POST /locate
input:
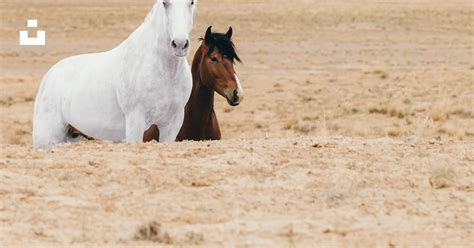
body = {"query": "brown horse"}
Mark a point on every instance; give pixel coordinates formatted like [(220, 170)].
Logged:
[(213, 71)]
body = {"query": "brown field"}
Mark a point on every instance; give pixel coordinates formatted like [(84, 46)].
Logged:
[(357, 130)]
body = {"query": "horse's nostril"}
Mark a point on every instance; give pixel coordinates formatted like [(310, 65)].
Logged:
[(236, 94), (186, 44), (173, 44)]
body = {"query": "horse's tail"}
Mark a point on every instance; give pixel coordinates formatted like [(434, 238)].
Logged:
[(40, 93), (48, 126)]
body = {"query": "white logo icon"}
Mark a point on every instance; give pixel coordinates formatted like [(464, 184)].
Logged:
[(39, 40)]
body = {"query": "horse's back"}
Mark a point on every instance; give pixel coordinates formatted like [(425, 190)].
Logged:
[(60, 78)]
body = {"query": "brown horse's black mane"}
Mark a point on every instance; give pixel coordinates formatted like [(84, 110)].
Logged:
[(223, 43)]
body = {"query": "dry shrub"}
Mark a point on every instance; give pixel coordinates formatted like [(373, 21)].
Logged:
[(448, 131), (442, 177), (462, 113), (304, 128), (335, 197), (289, 232), (381, 73), (290, 123), (440, 114), (397, 133), (390, 110), (444, 109), (378, 72), (153, 232), (310, 118), (194, 238)]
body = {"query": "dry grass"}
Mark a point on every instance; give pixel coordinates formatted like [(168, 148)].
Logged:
[(153, 232), (397, 111), (377, 71), (442, 177)]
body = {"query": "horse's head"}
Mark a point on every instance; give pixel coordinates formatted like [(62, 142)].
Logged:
[(216, 66), (179, 21)]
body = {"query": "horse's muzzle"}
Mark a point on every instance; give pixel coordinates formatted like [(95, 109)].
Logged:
[(235, 98), (180, 47)]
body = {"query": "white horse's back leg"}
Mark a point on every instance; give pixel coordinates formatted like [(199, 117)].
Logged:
[(48, 130)]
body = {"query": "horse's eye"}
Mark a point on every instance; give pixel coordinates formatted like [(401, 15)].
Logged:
[(214, 59), (192, 2)]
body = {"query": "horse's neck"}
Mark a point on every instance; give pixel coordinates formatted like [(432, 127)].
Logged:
[(151, 37), (200, 107)]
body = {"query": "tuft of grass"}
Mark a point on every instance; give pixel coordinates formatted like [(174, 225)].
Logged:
[(194, 238), (290, 123), (335, 197), (289, 232), (440, 114), (450, 130), (310, 118), (154, 233), (462, 113), (392, 111), (304, 128), (396, 133), (442, 177), (380, 72), (308, 99)]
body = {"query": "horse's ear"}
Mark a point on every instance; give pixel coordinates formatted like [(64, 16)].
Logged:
[(207, 37), (229, 33)]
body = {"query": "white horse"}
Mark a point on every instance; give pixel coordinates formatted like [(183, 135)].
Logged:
[(117, 95)]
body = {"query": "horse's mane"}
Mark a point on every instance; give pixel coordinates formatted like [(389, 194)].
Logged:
[(151, 13), (223, 43)]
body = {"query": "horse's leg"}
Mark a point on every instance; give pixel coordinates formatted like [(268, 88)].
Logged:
[(170, 131), (135, 127)]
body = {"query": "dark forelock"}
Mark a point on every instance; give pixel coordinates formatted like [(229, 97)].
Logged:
[(224, 44)]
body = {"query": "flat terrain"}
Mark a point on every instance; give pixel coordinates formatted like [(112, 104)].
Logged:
[(357, 130)]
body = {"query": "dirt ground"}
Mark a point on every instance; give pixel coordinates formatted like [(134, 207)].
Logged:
[(357, 130)]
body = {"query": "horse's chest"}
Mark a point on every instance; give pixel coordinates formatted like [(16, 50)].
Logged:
[(163, 109), (158, 97), (165, 103)]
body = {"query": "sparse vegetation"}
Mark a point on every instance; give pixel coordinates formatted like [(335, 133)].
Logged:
[(390, 110), (290, 123), (442, 177), (380, 72), (153, 232), (194, 238)]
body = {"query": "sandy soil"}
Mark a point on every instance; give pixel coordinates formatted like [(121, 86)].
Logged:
[(357, 131)]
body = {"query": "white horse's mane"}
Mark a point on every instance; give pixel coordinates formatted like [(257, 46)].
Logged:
[(151, 12)]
